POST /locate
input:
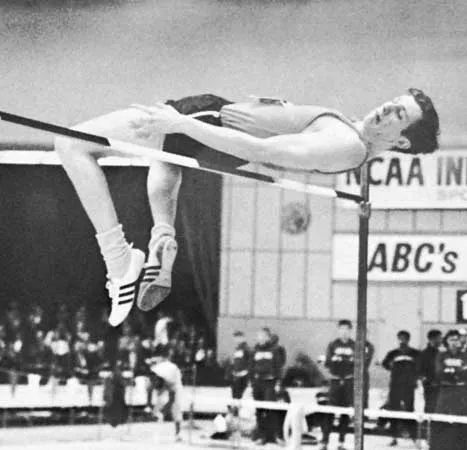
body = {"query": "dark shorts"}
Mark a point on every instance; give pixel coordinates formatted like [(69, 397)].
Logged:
[(185, 146), (341, 392)]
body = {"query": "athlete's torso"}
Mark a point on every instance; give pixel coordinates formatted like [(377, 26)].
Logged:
[(267, 118)]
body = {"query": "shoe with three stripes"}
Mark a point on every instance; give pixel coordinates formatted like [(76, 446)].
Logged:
[(122, 291), (156, 281)]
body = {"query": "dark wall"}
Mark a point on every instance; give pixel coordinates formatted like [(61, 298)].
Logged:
[(48, 250)]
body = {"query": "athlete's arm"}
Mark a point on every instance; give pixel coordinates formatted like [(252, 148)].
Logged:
[(335, 147)]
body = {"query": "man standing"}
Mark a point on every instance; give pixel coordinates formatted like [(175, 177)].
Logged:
[(451, 371), (265, 370), (402, 363), (240, 365), (340, 362), (427, 369)]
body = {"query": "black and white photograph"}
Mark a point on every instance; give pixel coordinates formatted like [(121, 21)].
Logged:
[(233, 224)]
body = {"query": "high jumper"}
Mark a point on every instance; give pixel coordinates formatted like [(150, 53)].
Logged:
[(216, 133)]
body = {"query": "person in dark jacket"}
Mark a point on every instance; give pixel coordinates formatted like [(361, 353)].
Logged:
[(340, 356), (115, 407), (241, 361), (427, 369), (451, 373), (402, 362), (265, 374)]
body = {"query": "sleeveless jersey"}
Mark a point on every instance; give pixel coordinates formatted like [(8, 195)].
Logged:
[(265, 118)]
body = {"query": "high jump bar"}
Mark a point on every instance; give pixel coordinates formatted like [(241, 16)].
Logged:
[(127, 148)]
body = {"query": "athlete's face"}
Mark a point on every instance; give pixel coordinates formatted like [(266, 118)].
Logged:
[(385, 124), (453, 343), (262, 337), (344, 332)]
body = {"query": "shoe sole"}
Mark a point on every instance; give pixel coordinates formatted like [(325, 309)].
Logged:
[(152, 294)]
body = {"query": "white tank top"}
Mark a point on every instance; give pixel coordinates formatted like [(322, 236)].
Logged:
[(265, 118)]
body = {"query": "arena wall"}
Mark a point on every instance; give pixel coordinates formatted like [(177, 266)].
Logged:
[(68, 61)]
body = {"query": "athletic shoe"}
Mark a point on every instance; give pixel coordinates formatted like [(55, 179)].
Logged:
[(156, 281), (178, 438), (122, 291), (341, 447), (393, 443), (260, 442)]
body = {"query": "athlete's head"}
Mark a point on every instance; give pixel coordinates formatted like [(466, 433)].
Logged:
[(407, 124), (403, 337), (435, 337), (263, 336), (344, 329), (452, 340)]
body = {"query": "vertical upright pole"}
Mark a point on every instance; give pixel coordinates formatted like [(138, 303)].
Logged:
[(360, 344)]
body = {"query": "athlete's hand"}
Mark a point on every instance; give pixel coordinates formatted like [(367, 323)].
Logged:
[(157, 119)]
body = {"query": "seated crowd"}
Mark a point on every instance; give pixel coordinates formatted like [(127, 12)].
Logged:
[(68, 345)]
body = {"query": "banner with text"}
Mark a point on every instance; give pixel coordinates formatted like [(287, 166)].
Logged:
[(403, 258), (398, 181)]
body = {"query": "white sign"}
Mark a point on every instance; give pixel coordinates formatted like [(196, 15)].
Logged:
[(403, 258), (398, 181)]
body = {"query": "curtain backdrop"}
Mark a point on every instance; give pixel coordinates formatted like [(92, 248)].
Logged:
[(49, 254)]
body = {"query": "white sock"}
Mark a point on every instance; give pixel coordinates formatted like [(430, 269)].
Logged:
[(115, 250), (158, 230)]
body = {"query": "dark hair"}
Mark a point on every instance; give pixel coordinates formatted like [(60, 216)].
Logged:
[(239, 334), (403, 333), (266, 330), (422, 134), (344, 323), (433, 334)]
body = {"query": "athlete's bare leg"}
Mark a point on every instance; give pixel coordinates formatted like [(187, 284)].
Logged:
[(79, 159), (163, 186)]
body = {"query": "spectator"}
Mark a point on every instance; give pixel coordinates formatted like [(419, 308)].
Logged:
[(128, 349), (402, 362), (180, 325), (182, 356), (95, 359), (280, 350), (192, 336), (427, 369), (60, 340), (369, 353), (34, 323), (241, 361), (40, 357), (340, 356), (14, 327), (80, 331), (3, 336), (266, 366), (199, 352), (80, 361), (303, 373), (451, 372), (161, 329), (12, 320), (463, 339), (5, 363)]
